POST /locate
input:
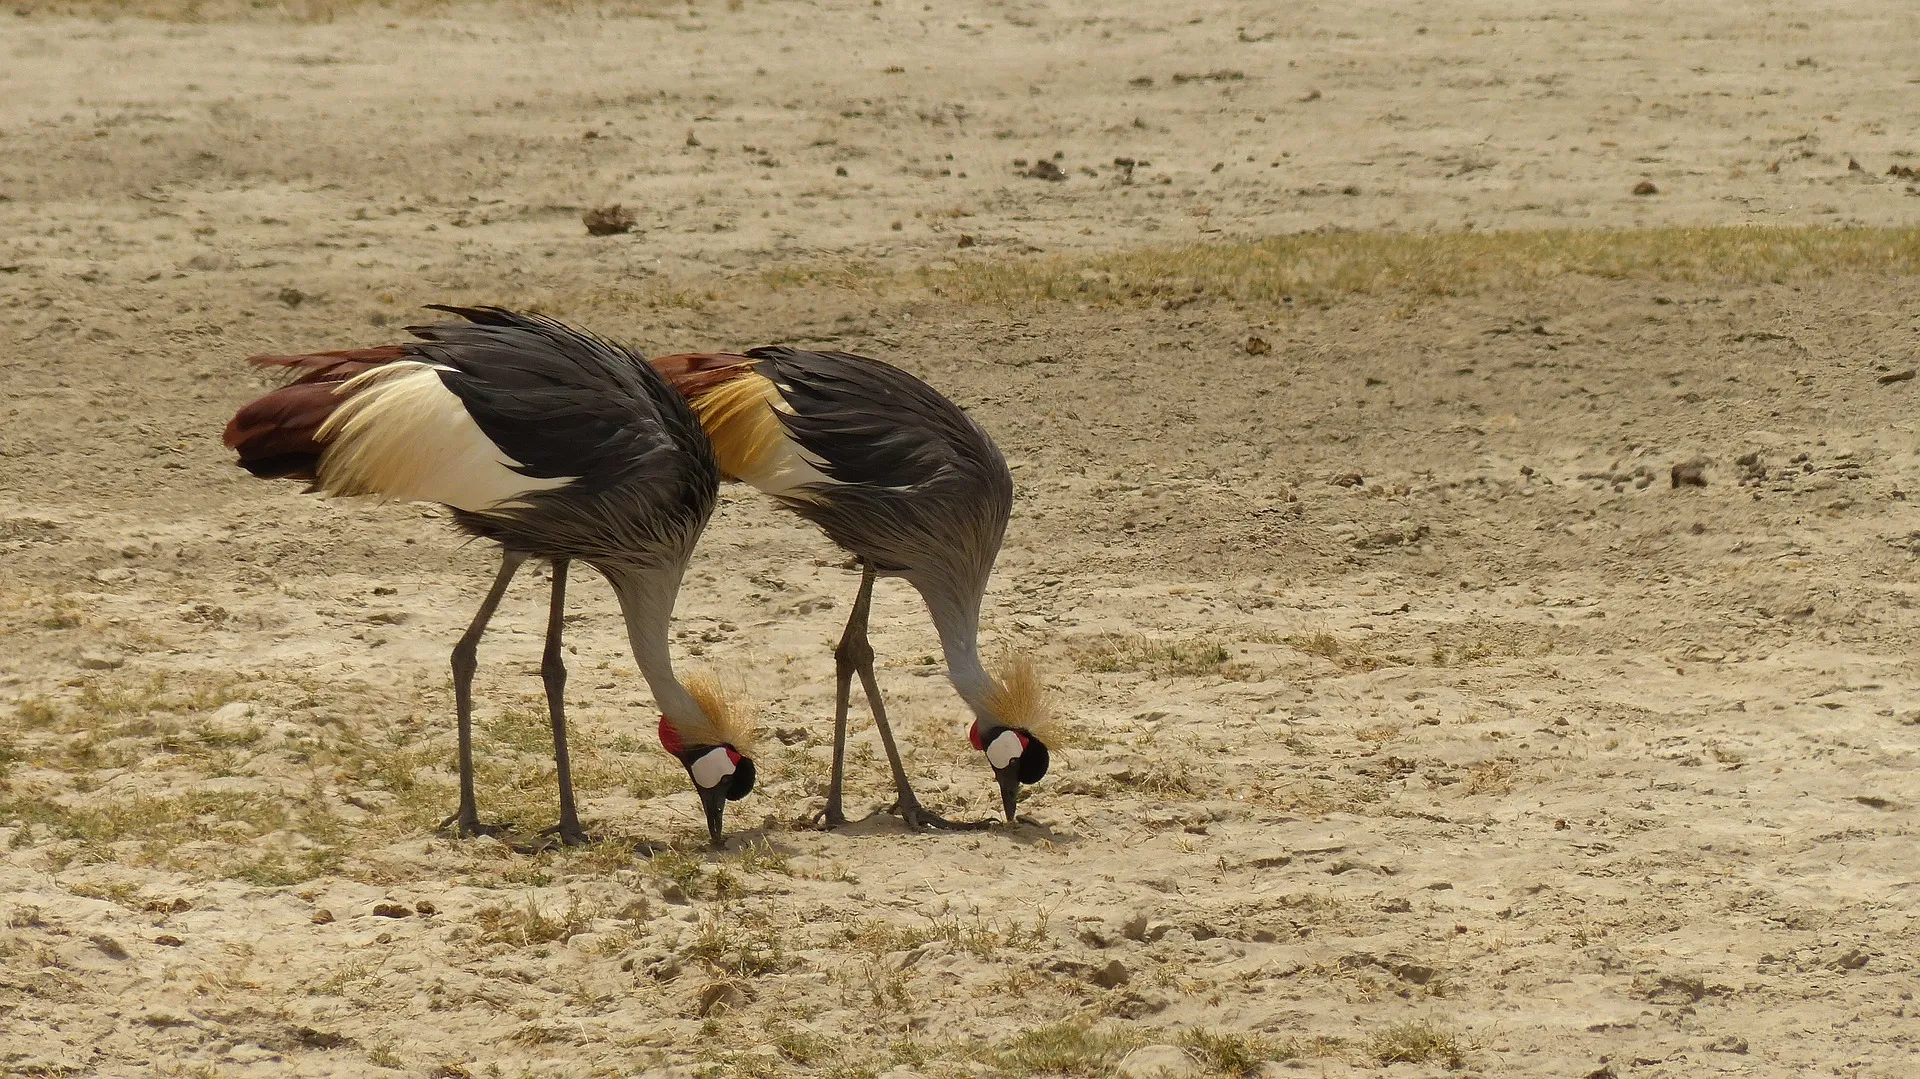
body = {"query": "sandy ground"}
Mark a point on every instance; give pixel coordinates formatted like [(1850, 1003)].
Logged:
[(1509, 759)]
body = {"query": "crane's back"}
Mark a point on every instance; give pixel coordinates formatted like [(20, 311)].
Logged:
[(552, 441), (889, 468)]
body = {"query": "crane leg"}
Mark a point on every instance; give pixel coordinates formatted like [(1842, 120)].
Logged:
[(859, 653), (845, 664), (466, 659), (553, 672)]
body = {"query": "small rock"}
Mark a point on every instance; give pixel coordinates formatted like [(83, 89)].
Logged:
[(108, 946), (839, 170), (1348, 479), (1396, 906), (1094, 936), (1045, 169), (1897, 376), (609, 220), (1256, 346), (321, 1039), (1732, 1043), (322, 916), (425, 906), (1645, 187), (673, 893), (1689, 473), (292, 297), (1157, 1062), (114, 575), (391, 910), (965, 240), (1110, 976), (791, 736), (168, 940), (99, 661)]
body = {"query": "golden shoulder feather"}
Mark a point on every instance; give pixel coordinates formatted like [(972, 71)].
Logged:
[(738, 418)]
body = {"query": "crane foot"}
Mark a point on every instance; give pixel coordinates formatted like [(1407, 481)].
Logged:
[(918, 816), (569, 833), (560, 835), (828, 818), (467, 824)]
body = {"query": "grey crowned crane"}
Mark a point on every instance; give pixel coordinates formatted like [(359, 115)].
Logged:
[(553, 443), (906, 482)]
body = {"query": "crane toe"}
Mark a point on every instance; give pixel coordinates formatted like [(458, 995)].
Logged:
[(465, 825)]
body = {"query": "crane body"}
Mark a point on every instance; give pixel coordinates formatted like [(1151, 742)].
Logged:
[(907, 482), (555, 444)]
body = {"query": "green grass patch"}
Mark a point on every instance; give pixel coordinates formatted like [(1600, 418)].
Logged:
[(1320, 266)]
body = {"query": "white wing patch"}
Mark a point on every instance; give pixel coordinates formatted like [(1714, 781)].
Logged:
[(788, 466), (404, 437)]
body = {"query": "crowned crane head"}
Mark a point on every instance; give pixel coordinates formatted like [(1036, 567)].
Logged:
[(1016, 729), (717, 754)]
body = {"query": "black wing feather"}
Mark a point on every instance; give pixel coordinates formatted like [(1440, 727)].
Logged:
[(870, 422), (560, 401)]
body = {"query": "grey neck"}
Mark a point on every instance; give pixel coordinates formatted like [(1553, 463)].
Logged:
[(958, 624), (646, 599)]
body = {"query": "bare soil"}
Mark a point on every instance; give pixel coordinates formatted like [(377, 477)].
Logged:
[(1426, 726)]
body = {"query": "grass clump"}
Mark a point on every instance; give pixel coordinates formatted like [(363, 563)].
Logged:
[(527, 925), (1320, 266), (1415, 1042), (980, 936), (739, 948), (1068, 1048), (1187, 657), (1346, 655), (1227, 1053)]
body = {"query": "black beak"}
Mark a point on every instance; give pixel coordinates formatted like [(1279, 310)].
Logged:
[(714, 801), (1009, 778)]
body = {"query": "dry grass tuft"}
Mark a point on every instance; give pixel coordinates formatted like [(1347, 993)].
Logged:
[(1319, 266), (1184, 657), (1415, 1042), (1492, 777), (1346, 655), (527, 924)]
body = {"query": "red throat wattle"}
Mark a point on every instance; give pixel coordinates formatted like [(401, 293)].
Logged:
[(973, 736), (670, 738)]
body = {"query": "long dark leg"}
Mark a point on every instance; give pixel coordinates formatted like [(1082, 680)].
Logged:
[(466, 659), (553, 671), (861, 654), (844, 664)]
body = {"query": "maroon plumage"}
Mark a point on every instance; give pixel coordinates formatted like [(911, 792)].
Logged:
[(274, 434)]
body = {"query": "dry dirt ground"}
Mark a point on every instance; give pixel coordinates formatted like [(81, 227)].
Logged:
[(1425, 727)]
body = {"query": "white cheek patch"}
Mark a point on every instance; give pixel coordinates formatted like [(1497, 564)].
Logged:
[(713, 767), (1004, 749)]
